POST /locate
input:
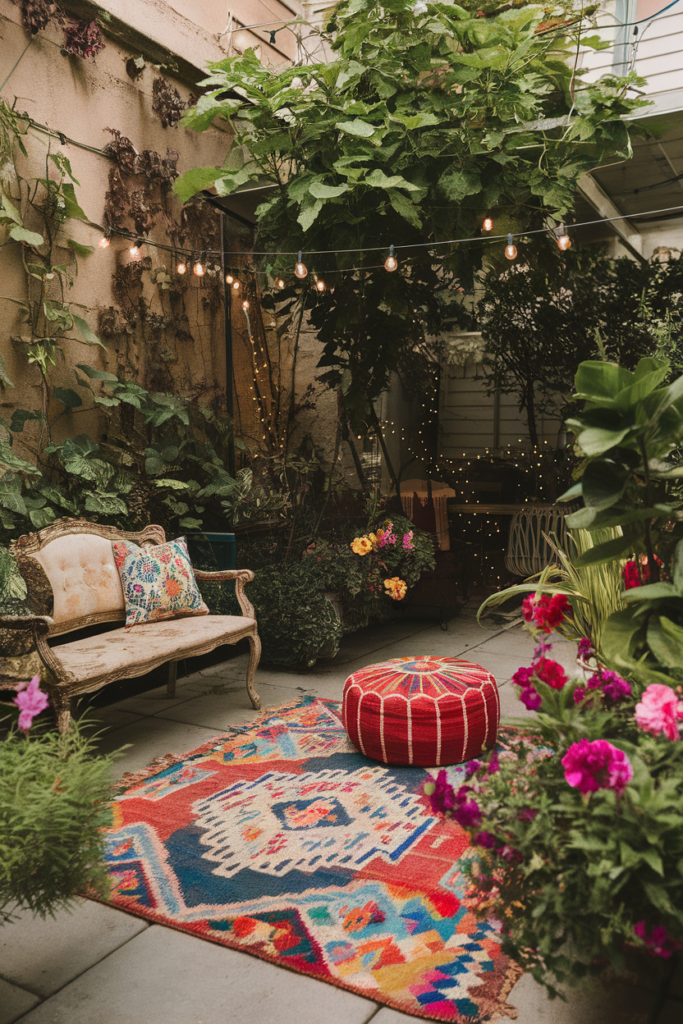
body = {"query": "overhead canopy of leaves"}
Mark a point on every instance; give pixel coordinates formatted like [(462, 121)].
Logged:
[(420, 126)]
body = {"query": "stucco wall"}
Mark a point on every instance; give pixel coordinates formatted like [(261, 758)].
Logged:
[(80, 98)]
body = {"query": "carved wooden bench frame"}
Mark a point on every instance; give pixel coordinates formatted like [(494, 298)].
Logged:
[(63, 686)]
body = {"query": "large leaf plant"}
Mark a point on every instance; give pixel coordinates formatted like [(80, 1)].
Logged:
[(424, 122)]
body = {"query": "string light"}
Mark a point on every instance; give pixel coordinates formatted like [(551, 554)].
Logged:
[(510, 248), (245, 305), (181, 268), (198, 268), (563, 240), (391, 263), (104, 242), (280, 283), (487, 225), (229, 278), (236, 286), (320, 284), (301, 270), (135, 249)]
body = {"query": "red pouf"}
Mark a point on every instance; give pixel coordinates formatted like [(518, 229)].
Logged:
[(424, 711)]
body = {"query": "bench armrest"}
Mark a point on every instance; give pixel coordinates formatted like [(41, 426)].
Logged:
[(37, 623), (240, 576)]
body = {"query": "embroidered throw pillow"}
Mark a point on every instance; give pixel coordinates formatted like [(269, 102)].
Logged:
[(158, 582)]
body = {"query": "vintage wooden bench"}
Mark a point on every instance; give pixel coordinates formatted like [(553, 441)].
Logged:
[(73, 582)]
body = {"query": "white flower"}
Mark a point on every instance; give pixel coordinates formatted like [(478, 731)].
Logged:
[(420, 7)]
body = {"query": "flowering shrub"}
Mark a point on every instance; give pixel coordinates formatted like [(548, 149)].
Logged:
[(54, 801), (578, 835), (380, 544)]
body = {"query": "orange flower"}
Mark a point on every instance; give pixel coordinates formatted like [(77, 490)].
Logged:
[(172, 587), (361, 546), (395, 588)]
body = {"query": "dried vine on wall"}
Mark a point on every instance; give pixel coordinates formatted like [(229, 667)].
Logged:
[(82, 39)]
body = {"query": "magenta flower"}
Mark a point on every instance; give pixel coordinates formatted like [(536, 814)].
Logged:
[(531, 698), (585, 649), (407, 541), (442, 798), (511, 855), (522, 677), (494, 764), (614, 687), (590, 765), (659, 711), (466, 812), (579, 694), (657, 939), (471, 767), (527, 814), (30, 700), (485, 839)]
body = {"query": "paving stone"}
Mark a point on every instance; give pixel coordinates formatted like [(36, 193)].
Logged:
[(150, 738), (387, 1016), (510, 704), (152, 701), (107, 719), (218, 711), (43, 956), (14, 1002), (616, 1004), (165, 977)]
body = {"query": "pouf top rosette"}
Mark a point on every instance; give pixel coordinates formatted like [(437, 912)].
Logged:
[(424, 711)]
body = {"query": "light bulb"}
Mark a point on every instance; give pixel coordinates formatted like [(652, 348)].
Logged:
[(563, 240), (280, 283), (181, 268), (510, 249), (245, 304), (301, 270), (198, 270), (134, 251), (104, 242), (320, 285), (236, 285), (229, 278), (391, 263), (487, 225)]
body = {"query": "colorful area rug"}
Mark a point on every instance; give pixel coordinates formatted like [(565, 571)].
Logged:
[(281, 840)]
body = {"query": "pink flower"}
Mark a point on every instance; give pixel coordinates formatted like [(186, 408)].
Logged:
[(466, 811), (551, 673), (511, 855), (531, 698), (658, 939), (631, 575), (659, 711), (579, 694), (407, 541), (30, 700), (522, 676), (590, 765), (485, 839)]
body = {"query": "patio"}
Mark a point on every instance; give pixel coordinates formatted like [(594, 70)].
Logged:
[(99, 964)]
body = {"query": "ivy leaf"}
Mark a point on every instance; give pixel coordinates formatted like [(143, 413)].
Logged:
[(378, 179), (67, 397), (94, 374), (190, 524), (71, 207), (359, 128), (8, 211), (80, 249), (24, 235), (86, 332), (19, 418), (105, 504)]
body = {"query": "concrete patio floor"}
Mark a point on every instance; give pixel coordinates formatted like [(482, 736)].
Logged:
[(98, 965)]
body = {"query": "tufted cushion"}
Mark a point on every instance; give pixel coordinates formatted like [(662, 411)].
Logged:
[(425, 711), (82, 574)]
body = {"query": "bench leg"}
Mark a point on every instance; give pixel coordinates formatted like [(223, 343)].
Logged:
[(61, 704), (254, 658), (172, 676)]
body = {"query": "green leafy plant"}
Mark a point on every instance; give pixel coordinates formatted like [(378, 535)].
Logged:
[(422, 124), (54, 802)]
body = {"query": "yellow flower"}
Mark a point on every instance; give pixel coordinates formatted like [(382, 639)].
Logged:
[(395, 588), (373, 539), (361, 546)]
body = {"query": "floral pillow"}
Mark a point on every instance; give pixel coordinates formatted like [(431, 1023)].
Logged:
[(158, 582)]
